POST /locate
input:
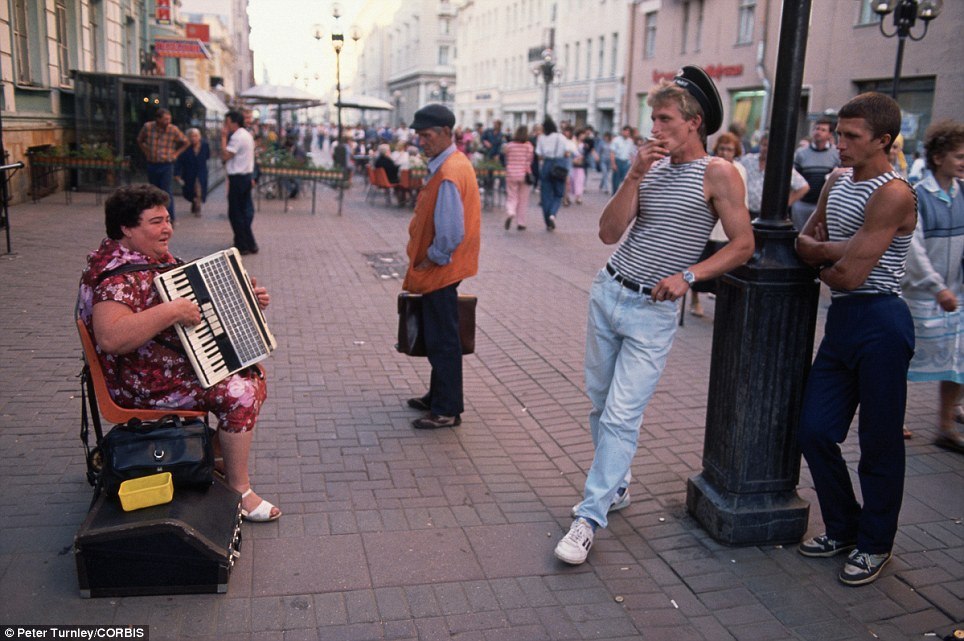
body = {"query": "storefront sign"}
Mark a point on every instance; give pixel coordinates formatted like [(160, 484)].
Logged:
[(713, 71), (162, 11), (178, 48), (198, 31)]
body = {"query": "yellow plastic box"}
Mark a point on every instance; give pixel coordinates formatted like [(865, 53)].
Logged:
[(146, 491)]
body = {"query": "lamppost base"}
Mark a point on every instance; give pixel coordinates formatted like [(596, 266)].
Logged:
[(747, 519), (762, 346)]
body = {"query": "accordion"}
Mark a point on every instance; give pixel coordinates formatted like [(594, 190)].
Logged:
[(233, 333)]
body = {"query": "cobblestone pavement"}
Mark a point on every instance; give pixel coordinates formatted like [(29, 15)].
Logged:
[(390, 533)]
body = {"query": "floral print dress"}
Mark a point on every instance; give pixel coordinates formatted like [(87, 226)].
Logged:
[(158, 375)]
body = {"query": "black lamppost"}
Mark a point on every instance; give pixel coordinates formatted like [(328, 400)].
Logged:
[(906, 14), (397, 100), (340, 154), (548, 71)]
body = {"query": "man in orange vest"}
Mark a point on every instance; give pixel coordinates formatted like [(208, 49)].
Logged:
[(443, 249)]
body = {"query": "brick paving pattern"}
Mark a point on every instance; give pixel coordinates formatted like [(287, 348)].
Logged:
[(391, 533)]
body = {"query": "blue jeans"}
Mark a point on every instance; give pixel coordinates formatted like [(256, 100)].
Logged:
[(161, 175), (862, 360), (628, 339), (619, 174), (550, 191)]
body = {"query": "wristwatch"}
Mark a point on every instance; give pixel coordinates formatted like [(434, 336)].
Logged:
[(689, 277)]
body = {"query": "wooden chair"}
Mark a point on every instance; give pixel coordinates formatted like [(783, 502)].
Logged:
[(111, 411)]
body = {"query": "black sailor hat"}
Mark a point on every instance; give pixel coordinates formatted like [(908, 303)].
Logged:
[(699, 85)]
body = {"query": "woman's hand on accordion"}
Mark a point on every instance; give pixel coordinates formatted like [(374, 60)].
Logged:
[(186, 312), (260, 293)]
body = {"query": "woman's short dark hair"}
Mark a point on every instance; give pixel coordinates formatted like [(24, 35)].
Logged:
[(521, 134), (125, 206), (549, 126), (941, 138)]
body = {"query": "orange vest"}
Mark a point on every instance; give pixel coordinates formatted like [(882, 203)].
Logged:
[(421, 231)]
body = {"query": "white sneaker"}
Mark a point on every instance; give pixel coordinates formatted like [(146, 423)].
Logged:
[(622, 501), (574, 546)]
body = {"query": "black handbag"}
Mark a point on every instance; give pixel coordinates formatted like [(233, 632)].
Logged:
[(411, 337), (169, 445), (530, 179), (558, 172)]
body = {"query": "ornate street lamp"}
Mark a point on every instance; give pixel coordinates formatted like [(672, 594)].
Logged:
[(340, 155), (441, 91), (906, 14), (547, 70)]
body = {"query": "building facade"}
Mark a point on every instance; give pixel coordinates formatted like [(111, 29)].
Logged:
[(736, 41), (584, 41), (48, 41), (421, 49)]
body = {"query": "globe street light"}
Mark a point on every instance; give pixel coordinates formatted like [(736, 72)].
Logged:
[(906, 13), (548, 70), (441, 91)]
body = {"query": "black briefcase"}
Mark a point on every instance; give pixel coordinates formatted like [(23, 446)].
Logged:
[(187, 546), (411, 339)]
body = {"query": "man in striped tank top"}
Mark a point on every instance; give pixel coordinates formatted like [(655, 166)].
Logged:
[(669, 201), (858, 239)]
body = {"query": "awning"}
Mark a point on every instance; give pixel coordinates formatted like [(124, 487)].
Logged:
[(181, 48), (212, 103)]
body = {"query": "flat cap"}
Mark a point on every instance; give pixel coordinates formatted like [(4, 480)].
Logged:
[(433, 116), (699, 85)]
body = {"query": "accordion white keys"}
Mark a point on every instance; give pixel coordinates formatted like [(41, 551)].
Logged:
[(233, 333)]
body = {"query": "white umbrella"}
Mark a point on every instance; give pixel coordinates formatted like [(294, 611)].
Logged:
[(279, 94), (365, 103)]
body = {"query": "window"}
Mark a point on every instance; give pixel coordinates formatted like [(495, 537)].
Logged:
[(615, 56), (446, 26), (589, 58), (601, 69), (575, 72), (21, 43), (443, 55), (698, 44), (649, 37), (746, 20), (684, 32), (867, 14), (63, 50)]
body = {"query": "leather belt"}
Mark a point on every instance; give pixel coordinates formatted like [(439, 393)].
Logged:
[(628, 284)]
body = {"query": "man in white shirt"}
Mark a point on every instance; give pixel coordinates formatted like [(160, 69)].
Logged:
[(237, 153), (621, 152)]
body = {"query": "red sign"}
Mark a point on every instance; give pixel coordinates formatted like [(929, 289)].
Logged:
[(177, 48), (198, 31), (713, 71), (162, 11)]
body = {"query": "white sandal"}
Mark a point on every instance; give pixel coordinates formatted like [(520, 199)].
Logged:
[(260, 514)]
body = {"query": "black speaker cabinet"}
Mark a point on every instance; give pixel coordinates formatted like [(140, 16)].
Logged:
[(187, 546)]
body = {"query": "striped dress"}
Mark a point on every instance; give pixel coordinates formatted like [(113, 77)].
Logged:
[(846, 204), (673, 224)]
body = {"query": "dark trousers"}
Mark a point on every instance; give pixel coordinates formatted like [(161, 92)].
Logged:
[(241, 211), (440, 322), (161, 175), (551, 191), (863, 360)]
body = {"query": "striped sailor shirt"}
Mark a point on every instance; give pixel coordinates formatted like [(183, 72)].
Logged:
[(673, 224), (846, 205)]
